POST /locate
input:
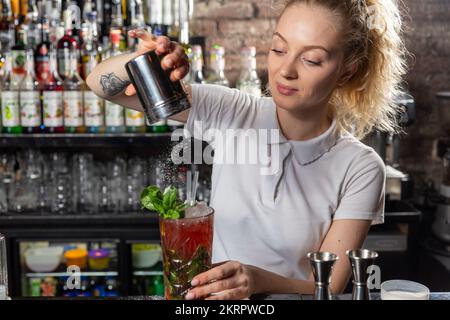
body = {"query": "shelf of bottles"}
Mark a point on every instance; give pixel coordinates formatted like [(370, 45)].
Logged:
[(49, 47)]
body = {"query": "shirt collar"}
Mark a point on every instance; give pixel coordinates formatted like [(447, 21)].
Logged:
[(308, 151)]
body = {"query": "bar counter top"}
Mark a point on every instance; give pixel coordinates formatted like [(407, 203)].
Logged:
[(298, 297)]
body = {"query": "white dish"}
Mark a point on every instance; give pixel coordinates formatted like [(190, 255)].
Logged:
[(404, 290), (146, 258), (43, 259)]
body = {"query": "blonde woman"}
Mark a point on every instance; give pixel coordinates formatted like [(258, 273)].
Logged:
[(334, 67)]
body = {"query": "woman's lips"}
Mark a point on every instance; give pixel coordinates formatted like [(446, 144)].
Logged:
[(285, 90)]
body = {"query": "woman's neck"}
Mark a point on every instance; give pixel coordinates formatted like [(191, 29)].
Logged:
[(303, 125)]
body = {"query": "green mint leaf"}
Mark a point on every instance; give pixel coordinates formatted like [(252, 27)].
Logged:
[(174, 214), (169, 195), (166, 203), (146, 200), (159, 206), (155, 193), (173, 195)]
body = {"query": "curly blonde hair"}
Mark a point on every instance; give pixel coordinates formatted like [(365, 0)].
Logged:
[(373, 34)]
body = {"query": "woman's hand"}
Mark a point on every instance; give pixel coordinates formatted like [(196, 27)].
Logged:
[(230, 280), (175, 59)]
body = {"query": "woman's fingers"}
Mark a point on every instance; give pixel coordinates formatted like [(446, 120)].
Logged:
[(175, 58), (220, 272), (164, 45), (130, 90), (149, 41), (215, 287), (179, 73)]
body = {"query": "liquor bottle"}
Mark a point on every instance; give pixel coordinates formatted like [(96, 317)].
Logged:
[(135, 121), (88, 7), (42, 54), (56, 29), (136, 15), (66, 46), (52, 99), (30, 99), (158, 285), (23, 7), (85, 290), (32, 24), (90, 56), (19, 53), (114, 113), (117, 22), (75, 18), (157, 18), (6, 26), (217, 75), (93, 111), (15, 7), (111, 287), (174, 28), (105, 23), (167, 19), (184, 17), (73, 98), (2, 63), (6, 33), (95, 31), (99, 7), (196, 74), (97, 287), (248, 80), (10, 100)]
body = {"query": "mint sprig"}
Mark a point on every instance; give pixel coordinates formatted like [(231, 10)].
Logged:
[(165, 203)]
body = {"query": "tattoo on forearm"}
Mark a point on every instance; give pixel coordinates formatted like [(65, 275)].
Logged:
[(112, 84)]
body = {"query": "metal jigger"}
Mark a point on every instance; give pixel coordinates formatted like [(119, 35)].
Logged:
[(322, 266), (360, 261)]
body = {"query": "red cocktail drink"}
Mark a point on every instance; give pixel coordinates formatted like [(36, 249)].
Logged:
[(186, 245)]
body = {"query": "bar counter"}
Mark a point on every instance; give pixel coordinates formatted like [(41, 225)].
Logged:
[(295, 297)]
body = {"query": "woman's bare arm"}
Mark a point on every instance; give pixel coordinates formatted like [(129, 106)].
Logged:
[(110, 80), (234, 280), (343, 235)]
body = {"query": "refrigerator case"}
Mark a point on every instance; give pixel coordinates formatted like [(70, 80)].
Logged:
[(65, 268)]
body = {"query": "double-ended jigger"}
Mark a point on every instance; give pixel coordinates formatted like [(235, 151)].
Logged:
[(361, 260), (322, 266), (160, 97)]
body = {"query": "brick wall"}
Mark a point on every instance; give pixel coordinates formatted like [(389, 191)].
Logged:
[(428, 38), (235, 23)]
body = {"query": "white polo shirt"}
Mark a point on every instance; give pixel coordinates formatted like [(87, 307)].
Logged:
[(272, 221)]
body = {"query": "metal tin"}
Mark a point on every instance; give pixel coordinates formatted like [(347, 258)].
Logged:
[(160, 97)]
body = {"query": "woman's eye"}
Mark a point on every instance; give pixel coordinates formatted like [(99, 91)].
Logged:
[(278, 52), (312, 62)]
